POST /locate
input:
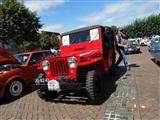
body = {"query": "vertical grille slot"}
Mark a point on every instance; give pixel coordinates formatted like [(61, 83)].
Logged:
[(66, 64), (59, 67), (62, 63)]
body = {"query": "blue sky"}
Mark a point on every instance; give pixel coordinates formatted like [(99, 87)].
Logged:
[(65, 15)]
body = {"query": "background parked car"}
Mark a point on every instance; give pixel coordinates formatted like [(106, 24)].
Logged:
[(133, 46), (154, 48), (145, 42), (19, 72)]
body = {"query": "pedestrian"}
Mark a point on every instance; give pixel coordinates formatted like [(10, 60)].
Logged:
[(121, 44)]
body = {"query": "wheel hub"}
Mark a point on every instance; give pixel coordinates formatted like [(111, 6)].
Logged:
[(16, 88)]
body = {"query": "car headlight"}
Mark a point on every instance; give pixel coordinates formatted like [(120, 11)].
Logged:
[(45, 65), (72, 62), (2, 71)]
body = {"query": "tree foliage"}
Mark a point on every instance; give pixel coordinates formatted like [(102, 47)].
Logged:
[(29, 46), (18, 24), (144, 27), (48, 41), (45, 41), (115, 29), (55, 42)]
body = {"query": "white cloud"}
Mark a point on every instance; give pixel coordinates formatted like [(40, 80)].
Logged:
[(122, 13), (107, 10), (52, 27), (79, 26), (40, 5), (139, 11)]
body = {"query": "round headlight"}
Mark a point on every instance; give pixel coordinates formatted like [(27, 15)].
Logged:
[(45, 65), (72, 62)]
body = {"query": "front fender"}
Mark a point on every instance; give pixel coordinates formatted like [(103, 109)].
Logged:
[(90, 61)]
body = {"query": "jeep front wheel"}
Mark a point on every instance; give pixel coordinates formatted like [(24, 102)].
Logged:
[(46, 95), (94, 86)]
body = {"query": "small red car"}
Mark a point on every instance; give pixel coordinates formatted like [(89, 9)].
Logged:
[(19, 71)]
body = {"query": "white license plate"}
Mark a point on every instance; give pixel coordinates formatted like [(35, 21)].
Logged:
[(41, 81)]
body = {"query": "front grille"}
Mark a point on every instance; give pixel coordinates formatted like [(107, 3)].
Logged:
[(59, 67)]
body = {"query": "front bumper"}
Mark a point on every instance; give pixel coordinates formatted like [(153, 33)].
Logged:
[(64, 84)]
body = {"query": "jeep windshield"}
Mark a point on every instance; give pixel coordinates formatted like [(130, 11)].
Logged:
[(80, 37), (22, 58)]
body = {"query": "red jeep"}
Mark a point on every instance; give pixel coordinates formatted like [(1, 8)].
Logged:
[(86, 54)]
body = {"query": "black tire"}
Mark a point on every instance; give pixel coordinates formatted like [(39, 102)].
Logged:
[(94, 86), (14, 89), (46, 95), (112, 69)]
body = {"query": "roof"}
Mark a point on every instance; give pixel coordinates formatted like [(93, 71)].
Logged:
[(34, 52), (51, 33), (81, 29)]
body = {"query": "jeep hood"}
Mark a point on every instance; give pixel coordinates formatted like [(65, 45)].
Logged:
[(6, 57), (84, 54)]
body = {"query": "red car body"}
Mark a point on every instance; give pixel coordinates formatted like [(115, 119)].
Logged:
[(12, 70)]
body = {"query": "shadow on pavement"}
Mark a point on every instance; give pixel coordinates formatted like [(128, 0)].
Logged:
[(80, 97), (110, 83), (28, 90), (154, 61), (140, 52), (134, 65)]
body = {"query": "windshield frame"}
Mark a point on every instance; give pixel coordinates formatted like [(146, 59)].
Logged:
[(78, 37), (17, 56)]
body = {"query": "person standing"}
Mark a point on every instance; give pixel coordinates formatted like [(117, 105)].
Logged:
[(121, 44)]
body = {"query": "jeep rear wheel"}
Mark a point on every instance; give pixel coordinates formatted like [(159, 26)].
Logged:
[(94, 86), (112, 69), (46, 95)]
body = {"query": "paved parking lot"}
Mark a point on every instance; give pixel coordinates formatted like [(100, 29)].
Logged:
[(127, 95), (147, 82)]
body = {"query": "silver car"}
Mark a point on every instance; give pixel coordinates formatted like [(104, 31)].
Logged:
[(133, 46), (154, 48)]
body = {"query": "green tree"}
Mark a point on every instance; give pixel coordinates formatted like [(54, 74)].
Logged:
[(144, 27), (29, 46), (45, 41), (48, 41), (17, 23), (55, 42), (115, 29), (153, 24)]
